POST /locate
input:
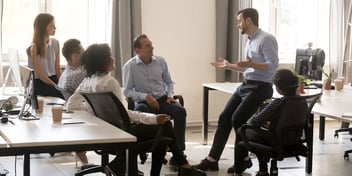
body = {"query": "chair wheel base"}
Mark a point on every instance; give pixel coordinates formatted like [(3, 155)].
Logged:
[(345, 156)]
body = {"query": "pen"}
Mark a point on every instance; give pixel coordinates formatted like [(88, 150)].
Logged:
[(69, 123)]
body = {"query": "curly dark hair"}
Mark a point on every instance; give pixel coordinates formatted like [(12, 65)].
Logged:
[(286, 81), (96, 59)]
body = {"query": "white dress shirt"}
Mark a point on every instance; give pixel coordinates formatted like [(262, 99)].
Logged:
[(100, 83)]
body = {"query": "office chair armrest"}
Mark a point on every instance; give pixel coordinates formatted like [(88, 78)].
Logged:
[(130, 103), (246, 127), (179, 98), (267, 136)]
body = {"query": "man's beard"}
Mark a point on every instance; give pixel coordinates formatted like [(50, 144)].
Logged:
[(243, 31)]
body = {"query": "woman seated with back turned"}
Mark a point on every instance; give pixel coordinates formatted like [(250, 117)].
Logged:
[(98, 62), (286, 84)]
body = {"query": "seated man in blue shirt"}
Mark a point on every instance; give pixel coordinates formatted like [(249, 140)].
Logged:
[(147, 80)]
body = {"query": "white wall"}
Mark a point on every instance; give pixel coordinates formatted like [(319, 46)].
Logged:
[(183, 32)]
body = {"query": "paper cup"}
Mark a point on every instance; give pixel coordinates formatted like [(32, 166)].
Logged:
[(338, 84), (56, 112), (40, 105)]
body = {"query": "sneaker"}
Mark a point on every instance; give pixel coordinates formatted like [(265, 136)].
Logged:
[(207, 165), (190, 172), (239, 169)]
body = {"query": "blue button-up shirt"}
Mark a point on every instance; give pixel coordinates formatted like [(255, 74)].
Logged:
[(140, 79), (262, 47)]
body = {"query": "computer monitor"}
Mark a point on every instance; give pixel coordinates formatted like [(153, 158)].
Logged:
[(30, 94)]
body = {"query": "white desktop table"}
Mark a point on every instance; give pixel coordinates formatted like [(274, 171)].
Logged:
[(44, 136), (3, 143), (333, 104)]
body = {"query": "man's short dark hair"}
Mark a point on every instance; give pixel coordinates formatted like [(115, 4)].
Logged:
[(250, 13), (70, 47), (137, 41)]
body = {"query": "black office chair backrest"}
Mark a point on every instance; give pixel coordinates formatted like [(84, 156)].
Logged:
[(291, 119), (109, 108)]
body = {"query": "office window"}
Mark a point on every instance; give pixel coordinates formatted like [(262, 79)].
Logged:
[(86, 20), (295, 24)]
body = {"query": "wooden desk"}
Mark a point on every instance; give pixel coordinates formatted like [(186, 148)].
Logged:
[(44, 136)]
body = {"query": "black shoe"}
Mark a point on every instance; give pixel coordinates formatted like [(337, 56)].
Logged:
[(173, 162), (190, 172), (207, 165), (231, 169), (245, 165)]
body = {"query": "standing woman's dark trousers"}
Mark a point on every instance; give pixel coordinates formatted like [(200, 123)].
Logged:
[(239, 108), (47, 90)]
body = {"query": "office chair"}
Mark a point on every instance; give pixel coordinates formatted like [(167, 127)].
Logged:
[(131, 105), (108, 107), (287, 134), (344, 128), (309, 61)]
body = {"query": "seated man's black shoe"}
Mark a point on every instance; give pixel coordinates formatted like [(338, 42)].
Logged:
[(231, 169), (173, 162), (241, 168), (207, 165), (190, 172)]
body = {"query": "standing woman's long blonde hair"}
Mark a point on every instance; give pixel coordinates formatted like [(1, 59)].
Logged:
[(40, 25)]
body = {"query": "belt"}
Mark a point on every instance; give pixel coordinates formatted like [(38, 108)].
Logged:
[(256, 82)]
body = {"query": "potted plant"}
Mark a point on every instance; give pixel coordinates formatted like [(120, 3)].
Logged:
[(302, 81), (328, 80)]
